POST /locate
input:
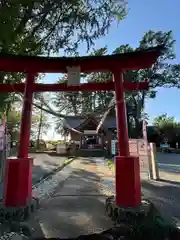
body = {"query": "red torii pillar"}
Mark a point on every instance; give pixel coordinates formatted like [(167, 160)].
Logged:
[(19, 170), (128, 184)]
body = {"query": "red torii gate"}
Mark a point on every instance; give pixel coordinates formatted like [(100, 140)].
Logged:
[(18, 180)]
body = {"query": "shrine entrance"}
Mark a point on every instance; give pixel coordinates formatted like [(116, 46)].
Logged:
[(91, 141), (18, 190)]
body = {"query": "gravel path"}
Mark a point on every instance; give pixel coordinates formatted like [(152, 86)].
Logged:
[(77, 206), (44, 164)]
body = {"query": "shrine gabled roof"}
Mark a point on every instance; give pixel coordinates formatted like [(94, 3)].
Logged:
[(138, 59), (73, 122), (110, 122)]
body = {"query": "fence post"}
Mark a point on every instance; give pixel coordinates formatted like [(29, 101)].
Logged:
[(154, 171)]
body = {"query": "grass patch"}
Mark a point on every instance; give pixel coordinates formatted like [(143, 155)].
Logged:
[(110, 163)]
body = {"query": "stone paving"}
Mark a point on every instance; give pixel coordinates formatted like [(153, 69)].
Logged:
[(77, 205)]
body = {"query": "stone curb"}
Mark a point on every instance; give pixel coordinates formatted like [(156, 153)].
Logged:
[(50, 174)]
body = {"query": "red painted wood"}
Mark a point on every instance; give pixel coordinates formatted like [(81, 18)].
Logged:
[(133, 60), (18, 182), (128, 184), (121, 120), (128, 187), (26, 117), (19, 172)]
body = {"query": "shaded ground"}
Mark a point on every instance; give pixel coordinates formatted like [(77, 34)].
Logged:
[(77, 206), (166, 195), (45, 164)]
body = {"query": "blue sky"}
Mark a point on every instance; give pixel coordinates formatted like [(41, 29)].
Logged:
[(144, 15)]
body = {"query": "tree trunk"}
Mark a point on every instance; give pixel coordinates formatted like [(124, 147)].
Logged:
[(138, 127), (39, 128), (8, 108)]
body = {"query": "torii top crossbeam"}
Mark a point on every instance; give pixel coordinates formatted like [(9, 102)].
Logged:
[(133, 60)]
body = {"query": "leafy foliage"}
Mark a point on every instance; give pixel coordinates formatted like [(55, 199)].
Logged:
[(169, 128), (162, 74), (42, 124), (51, 25), (32, 27), (13, 123)]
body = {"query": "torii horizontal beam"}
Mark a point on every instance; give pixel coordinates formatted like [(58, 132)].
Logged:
[(139, 59), (63, 87)]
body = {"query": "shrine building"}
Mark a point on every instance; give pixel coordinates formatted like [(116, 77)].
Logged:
[(82, 131)]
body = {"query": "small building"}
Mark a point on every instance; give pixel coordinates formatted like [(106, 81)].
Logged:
[(82, 131)]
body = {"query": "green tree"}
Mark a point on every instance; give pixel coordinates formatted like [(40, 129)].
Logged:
[(48, 26), (42, 119), (13, 123), (32, 27), (162, 74), (169, 128), (164, 120)]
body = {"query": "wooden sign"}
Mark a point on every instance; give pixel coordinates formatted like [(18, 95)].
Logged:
[(2, 137), (113, 147), (74, 76), (145, 123), (90, 132)]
